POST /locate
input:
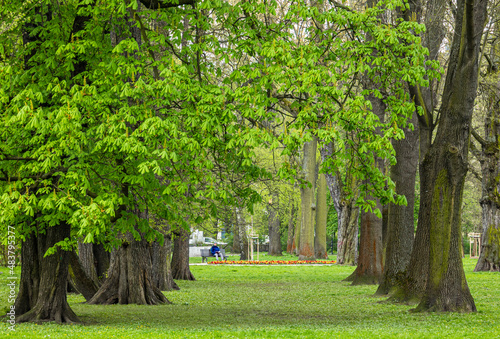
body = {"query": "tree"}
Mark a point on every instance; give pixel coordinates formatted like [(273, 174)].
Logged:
[(321, 219), (88, 133), (180, 257), (117, 111), (412, 285), (344, 195), (308, 202), (445, 165), (400, 223), (274, 222)]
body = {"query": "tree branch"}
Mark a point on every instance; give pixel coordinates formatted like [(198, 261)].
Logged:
[(478, 138), (156, 4), (19, 158)]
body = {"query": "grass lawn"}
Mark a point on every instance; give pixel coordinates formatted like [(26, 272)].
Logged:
[(273, 302)]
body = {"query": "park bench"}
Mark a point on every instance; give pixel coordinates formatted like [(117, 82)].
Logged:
[(205, 253)]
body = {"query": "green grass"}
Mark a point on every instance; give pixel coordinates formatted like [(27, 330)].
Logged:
[(274, 302)]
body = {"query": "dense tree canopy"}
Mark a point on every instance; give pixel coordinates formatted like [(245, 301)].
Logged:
[(116, 110)]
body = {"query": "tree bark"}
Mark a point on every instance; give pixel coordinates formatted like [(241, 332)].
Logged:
[(370, 262), (321, 219), (161, 259), (129, 277), (400, 219), (291, 228), (274, 227), (242, 236), (180, 258), (30, 276), (308, 201), (50, 276), (236, 234), (413, 285), (296, 238), (347, 212), (370, 266), (445, 166), (489, 259), (79, 278)]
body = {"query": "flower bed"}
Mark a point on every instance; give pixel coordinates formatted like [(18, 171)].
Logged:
[(271, 262)]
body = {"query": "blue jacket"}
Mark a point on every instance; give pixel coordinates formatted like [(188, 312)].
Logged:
[(214, 249)]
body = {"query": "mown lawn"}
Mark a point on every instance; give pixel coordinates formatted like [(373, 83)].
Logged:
[(273, 302)]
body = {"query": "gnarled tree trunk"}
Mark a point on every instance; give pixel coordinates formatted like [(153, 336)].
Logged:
[(129, 277), (42, 293), (445, 166), (370, 265)]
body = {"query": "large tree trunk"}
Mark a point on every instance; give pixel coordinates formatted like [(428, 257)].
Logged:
[(347, 212), (321, 219), (347, 234), (274, 227), (89, 261), (412, 286), (370, 262), (161, 258), (308, 201), (162, 271), (370, 266), (400, 219), (489, 259), (30, 276), (445, 166), (180, 258), (42, 294), (129, 277)]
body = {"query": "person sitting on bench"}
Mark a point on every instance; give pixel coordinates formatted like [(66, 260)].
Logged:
[(215, 250)]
